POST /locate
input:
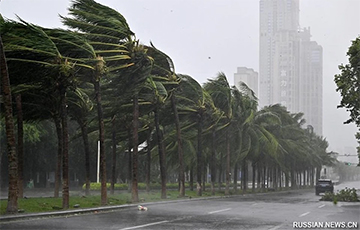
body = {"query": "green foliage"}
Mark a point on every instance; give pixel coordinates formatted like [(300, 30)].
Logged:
[(33, 132), (347, 195), (347, 83)]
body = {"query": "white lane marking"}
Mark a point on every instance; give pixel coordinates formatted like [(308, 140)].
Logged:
[(304, 214), (222, 210), (321, 206), (145, 225), (254, 204), (276, 227)]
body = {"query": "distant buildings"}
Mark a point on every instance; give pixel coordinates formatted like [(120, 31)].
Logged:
[(290, 63), (249, 77)]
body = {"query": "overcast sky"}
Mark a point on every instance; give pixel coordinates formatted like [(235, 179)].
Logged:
[(204, 37)]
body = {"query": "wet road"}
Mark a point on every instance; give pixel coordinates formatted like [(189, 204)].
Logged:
[(280, 210)]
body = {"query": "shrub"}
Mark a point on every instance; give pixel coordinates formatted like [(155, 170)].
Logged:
[(347, 195)]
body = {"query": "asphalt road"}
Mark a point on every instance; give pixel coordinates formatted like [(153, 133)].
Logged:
[(283, 210)]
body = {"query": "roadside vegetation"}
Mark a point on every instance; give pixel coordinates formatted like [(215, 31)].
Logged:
[(346, 195)]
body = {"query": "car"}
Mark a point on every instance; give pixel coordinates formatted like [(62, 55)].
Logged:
[(324, 185)]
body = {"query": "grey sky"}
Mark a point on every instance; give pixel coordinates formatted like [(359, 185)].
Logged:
[(204, 37)]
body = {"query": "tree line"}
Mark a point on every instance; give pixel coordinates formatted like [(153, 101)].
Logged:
[(98, 75)]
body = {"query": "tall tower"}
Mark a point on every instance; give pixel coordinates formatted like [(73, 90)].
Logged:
[(279, 48), (311, 71), (285, 65), (249, 77)]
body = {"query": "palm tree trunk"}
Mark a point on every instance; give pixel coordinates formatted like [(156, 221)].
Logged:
[(245, 175), (199, 158), (259, 173), (191, 181), (293, 176), (85, 137), (20, 146), (235, 177), (227, 163), (274, 177), (135, 142), (65, 155), (253, 176), (180, 148), (264, 178), (307, 176), (59, 132), (312, 176), (113, 166), (204, 178), (129, 161), (162, 157), (318, 173), (212, 162), (220, 170), (102, 142), (148, 162), (287, 180), (280, 178), (12, 205)]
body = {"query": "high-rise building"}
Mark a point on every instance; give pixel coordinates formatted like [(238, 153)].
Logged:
[(311, 86), (249, 77), (288, 62)]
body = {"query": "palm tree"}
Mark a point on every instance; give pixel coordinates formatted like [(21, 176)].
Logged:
[(164, 68), (80, 107), (196, 105), (12, 205), (220, 91), (58, 53), (244, 107), (106, 29), (20, 145)]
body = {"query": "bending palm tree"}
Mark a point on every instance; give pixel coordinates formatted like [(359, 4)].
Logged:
[(106, 29), (12, 205), (220, 91), (57, 52), (197, 106)]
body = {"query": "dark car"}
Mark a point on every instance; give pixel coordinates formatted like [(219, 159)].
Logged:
[(324, 185)]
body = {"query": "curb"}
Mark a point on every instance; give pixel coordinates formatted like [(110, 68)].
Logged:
[(61, 213)]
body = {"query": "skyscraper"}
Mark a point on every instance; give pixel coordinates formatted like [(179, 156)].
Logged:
[(311, 87), (286, 64), (249, 77)]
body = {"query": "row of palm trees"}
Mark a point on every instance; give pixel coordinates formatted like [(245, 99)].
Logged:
[(99, 65)]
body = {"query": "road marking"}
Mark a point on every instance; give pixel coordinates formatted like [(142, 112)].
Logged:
[(321, 206), (222, 210), (145, 225), (304, 214), (276, 227)]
